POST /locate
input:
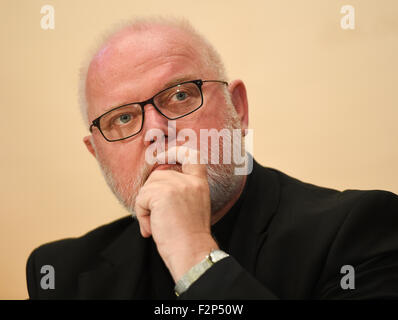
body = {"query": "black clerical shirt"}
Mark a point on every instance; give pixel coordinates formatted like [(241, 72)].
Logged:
[(287, 240)]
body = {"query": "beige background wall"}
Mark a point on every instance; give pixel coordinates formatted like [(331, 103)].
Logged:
[(323, 104)]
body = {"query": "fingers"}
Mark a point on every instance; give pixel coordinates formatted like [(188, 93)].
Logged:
[(143, 214), (189, 159), (145, 226)]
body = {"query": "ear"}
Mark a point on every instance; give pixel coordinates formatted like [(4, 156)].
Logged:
[(89, 145), (238, 94)]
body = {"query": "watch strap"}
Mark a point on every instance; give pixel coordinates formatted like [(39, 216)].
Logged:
[(197, 270)]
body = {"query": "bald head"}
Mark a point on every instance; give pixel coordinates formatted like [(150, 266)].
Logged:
[(140, 51)]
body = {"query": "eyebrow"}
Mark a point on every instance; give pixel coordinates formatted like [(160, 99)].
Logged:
[(178, 81)]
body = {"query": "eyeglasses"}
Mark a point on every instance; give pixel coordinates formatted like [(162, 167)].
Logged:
[(173, 103)]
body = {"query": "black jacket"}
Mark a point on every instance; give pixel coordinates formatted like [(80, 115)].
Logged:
[(287, 240)]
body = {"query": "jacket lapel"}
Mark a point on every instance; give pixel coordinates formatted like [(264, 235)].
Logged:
[(120, 272), (259, 205)]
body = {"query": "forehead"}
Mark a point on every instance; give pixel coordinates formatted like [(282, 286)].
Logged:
[(135, 65)]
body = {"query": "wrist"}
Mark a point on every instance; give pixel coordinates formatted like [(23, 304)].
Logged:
[(188, 254), (198, 270)]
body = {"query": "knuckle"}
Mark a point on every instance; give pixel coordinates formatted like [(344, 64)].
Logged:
[(168, 191), (198, 185), (138, 199)]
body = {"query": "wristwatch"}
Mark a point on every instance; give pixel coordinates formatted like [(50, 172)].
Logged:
[(197, 270)]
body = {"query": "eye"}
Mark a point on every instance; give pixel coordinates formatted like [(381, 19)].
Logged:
[(181, 96), (123, 118)]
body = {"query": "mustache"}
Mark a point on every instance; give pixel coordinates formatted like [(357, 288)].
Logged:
[(147, 169)]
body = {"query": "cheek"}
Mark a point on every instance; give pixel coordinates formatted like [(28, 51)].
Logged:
[(215, 111), (210, 116), (122, 159)]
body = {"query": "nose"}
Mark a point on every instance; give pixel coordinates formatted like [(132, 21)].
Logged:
[(155, 125)]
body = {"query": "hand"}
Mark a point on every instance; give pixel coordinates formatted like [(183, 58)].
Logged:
[(174, 208)]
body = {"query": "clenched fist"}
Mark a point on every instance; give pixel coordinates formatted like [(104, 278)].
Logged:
[(174, 207)]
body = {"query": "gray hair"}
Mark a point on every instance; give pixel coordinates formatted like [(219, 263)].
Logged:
[(210, 57)]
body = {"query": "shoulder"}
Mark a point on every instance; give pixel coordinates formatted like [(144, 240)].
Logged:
[(298, 207), (352, 224), (310, 216), (69, 257), (316, 230), (305, 198), (90, 243)]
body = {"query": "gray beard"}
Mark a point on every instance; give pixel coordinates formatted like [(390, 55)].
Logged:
[(223, 185)]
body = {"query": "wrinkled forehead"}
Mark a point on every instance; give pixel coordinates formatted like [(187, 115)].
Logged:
[(133, 59)]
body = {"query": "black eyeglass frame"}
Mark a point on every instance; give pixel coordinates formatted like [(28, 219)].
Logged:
[(199, 83)]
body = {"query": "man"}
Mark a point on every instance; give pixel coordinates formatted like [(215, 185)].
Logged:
[(199, 230)]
